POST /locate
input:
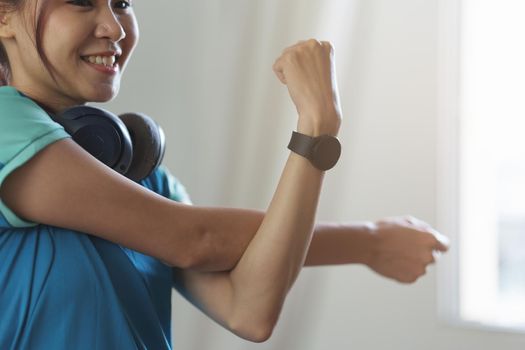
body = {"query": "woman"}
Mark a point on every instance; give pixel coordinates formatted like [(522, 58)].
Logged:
[(89, 257)]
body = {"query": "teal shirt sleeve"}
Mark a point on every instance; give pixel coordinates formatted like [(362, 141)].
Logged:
[(25, 129)]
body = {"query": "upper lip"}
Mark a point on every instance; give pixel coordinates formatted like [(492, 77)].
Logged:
[(105, 53)]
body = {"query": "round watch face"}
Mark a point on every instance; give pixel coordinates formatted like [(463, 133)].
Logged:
[(326, 152)]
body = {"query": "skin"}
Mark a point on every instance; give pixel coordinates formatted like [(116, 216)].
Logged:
[(96, 29), (217, 254)]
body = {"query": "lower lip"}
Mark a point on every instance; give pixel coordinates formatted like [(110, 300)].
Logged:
[(103, 69)]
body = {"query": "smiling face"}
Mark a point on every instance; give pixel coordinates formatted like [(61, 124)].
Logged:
[(87, 43)]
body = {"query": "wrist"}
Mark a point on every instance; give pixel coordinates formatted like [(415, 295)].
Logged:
[(369, 230), (322, 151), (317, 125)]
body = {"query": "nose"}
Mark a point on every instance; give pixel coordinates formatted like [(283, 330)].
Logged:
[(109, 26)]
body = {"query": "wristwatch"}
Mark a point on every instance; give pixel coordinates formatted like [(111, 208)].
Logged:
[(322, 151)]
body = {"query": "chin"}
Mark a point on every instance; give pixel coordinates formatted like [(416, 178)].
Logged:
[(105, 94)]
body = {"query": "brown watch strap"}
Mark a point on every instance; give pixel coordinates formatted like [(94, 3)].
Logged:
[(301, 144), (322, 151)]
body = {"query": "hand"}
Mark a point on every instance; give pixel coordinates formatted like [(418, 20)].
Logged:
[(404, 247), (308, 70)]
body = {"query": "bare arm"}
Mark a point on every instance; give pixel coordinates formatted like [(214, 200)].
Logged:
[(251, 295), (82, 194), (399, 248), (64, 186), (106, 204), (404, 243), (248, 299)]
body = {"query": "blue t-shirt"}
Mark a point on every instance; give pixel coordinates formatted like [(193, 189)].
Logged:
[(63, 289)]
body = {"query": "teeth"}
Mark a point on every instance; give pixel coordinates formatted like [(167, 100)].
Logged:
[(107, 61)]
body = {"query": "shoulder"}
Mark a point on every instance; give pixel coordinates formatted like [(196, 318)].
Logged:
[(23, 122), (14, 107), (25, 129)]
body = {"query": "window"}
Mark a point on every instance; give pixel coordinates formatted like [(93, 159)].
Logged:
[(482, 161)]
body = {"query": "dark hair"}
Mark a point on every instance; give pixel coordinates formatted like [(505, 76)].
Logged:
[(40, 17), (4, 67)]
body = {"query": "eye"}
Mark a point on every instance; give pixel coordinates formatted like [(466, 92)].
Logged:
[(83, 3), (123, 5)]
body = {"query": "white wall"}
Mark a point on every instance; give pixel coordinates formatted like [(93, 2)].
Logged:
[(203, 70)]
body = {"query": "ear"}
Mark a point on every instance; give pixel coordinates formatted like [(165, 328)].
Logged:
[(6, 28)]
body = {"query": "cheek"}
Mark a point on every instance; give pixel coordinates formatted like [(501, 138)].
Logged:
[(61, 45), (132, 32)]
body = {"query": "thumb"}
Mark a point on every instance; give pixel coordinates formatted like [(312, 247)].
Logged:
[(278, 70), (442, 242)]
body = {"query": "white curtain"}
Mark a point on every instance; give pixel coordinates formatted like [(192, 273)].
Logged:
[(203, 69)]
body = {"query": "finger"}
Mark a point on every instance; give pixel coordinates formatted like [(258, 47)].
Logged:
[(442, 242), (416, 222), (278, 70), (408, 278), (436, 254), (435, 239), (328, 45), (308, 42), (429, 258), (281, 77), (292, 47)]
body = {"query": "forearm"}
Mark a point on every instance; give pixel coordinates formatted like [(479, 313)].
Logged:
[(335, 244), (274, 257), (233, 229), (398, 248), (255, 289)]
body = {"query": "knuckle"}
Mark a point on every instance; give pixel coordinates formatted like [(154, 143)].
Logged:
[(313, 42), (404, 279), (313, 45), (416, 275), (290, 57), (328, 45), (409, 278)]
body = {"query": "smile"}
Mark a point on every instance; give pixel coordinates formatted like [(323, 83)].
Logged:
[(107, 64), (108, 61)]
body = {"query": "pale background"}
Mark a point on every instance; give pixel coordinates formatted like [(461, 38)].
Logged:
[(203, 71)]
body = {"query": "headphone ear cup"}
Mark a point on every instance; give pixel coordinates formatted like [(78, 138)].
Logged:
[(99, 132), (148, 141)]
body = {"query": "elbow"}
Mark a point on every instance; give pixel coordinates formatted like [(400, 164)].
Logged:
[(188, 260), (260, 336), (252, 330)]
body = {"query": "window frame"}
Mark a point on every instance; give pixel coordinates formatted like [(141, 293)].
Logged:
[(448, 169)]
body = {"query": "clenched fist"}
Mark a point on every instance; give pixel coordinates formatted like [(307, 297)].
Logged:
[(404, 247), (308, 70)]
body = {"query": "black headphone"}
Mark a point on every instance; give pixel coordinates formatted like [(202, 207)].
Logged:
[(132, 144)]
